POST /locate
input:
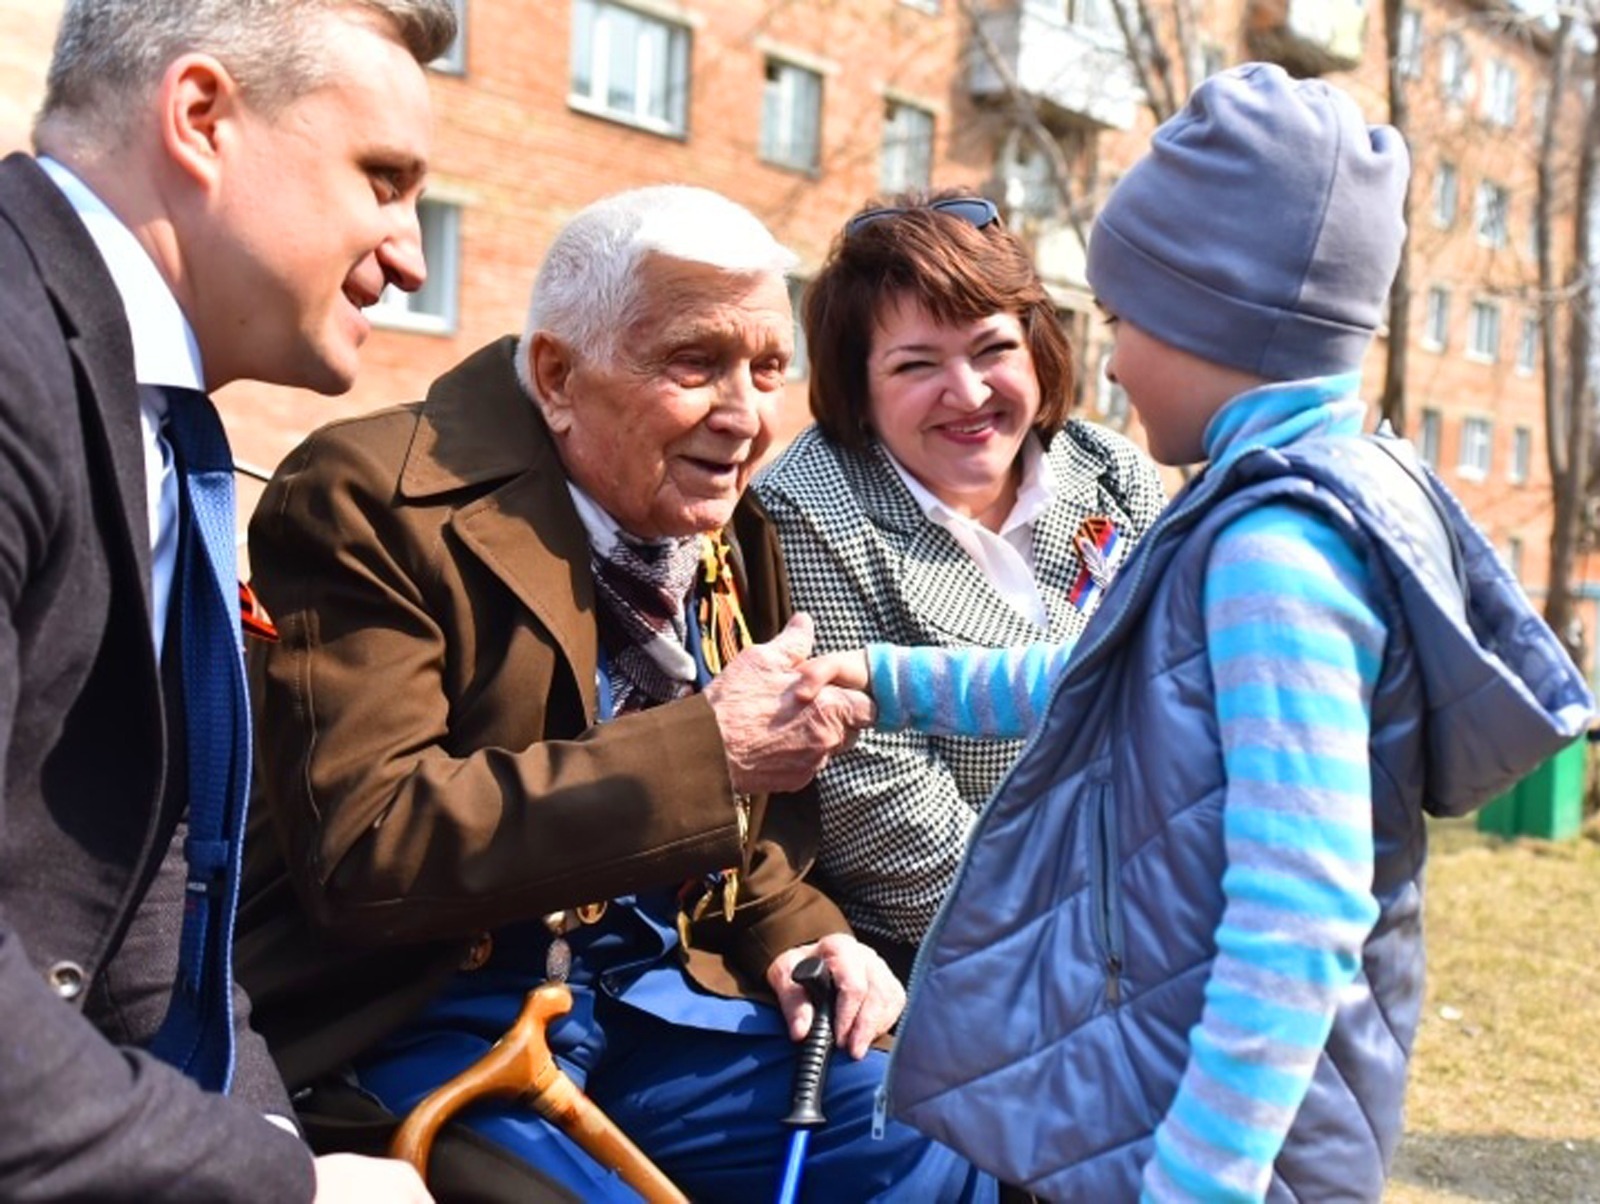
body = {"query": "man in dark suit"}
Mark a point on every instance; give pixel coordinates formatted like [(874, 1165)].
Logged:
[(220, 190)]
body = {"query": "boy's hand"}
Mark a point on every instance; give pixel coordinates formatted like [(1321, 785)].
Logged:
[(847, 670), (775, 739)]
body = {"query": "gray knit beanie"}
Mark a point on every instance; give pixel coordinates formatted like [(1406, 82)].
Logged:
[(1262, 229)]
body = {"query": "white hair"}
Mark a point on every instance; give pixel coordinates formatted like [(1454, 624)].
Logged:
[(587, 291)]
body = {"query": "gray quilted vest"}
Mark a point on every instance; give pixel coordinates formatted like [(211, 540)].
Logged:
[(1047, 1028)]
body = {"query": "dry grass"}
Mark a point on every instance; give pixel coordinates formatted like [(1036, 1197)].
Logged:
[(1504, 1103)]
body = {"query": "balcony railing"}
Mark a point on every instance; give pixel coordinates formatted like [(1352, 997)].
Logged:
[(1083, 75)]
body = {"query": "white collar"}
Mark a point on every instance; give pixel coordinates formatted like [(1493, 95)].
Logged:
[(1034, 494), (164, 348)]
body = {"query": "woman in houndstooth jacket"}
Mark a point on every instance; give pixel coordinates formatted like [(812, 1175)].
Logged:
[(943, 496)]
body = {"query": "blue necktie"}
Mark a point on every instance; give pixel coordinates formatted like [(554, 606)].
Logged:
[(197, 1034)]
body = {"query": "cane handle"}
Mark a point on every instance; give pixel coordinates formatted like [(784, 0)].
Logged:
[(520, 1064)]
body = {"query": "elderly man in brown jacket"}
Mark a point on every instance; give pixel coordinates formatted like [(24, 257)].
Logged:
[(529, 703)]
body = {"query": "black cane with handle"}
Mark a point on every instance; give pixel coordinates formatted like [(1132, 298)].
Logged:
[(810, 1072)]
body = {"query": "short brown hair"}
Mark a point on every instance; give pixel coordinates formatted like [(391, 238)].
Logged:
[(958, 272)]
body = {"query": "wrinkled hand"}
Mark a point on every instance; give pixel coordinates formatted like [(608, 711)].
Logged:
[(847, 670), (360, 1180), (776, 740), (870, 997)]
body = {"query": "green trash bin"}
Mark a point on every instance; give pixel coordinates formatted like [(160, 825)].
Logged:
[(1499, 815), (1548, 803)]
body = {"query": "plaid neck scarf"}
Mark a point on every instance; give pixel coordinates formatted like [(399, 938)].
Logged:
[(642, 588)]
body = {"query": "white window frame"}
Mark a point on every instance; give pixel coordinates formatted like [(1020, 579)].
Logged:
[(1428, 438), (435, 308), (1436, 319), (454, 59), (1528, 344), (1455, 69), (659, 90), (1411, 43), (1094, 17), (905, 160), (1500, 94), (1514, 547), (800, 364), (1521, 455), (1491, 213), (1483, 331), (791, 115), (1477, 449), (1446, 194)]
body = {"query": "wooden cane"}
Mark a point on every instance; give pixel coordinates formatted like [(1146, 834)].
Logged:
[(520, 1064)]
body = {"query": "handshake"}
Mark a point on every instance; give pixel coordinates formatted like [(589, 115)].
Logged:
[(783, 713)]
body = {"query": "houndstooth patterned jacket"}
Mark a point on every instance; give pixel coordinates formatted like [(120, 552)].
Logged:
[(868, 566)]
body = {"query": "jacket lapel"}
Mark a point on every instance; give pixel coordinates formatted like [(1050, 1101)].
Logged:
[(936, 573), (478, 427), (97, 338)]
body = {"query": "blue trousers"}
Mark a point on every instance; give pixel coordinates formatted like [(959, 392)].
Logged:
[(706, 1106)]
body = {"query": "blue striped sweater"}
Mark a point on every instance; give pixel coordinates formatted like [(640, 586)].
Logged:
[(1295, 645)]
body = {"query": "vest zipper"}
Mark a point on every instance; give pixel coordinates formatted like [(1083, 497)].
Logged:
[(1105, 885)]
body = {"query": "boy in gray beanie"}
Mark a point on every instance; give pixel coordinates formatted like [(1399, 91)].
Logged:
[(1193, 908)]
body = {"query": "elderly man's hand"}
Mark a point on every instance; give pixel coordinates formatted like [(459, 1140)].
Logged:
[(776, 738), (870, 997)]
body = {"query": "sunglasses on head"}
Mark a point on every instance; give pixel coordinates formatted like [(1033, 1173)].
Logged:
[(976, 210)]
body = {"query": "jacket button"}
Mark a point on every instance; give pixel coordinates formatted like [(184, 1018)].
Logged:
[(67, 979), (478, 952)]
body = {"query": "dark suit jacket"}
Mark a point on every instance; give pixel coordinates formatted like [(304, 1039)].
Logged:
[(429, 754), (88, 890)]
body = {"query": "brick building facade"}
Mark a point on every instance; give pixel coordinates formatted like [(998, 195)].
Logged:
[(802, 111)]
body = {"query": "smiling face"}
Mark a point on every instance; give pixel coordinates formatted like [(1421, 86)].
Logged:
[(666, 435), (313, 214), (953, 403)]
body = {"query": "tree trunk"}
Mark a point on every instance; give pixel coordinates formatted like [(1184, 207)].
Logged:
[(1576, 400), (1392, 402)]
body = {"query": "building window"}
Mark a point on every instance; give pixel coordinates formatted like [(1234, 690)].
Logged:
[(791, 116), (1436, 323), (1514, 556), (1476, 439), (1428, 444), (454, 59), (800, 365), (1500, 94), (1411, 43), (629, 66), (1094, 16), (907, 158), (433, 307), (1521, 454), (1455, 69), (1491, 213), (1483, 341), (1528, 345), (1446, 195)]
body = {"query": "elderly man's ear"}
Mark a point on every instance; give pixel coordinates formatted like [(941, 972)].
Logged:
[(550, 367)]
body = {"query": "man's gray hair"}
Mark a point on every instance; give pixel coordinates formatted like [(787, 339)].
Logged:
[(587, 291), (109, 54)]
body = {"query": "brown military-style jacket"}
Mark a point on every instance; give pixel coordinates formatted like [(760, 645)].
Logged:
[(430, 762)]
